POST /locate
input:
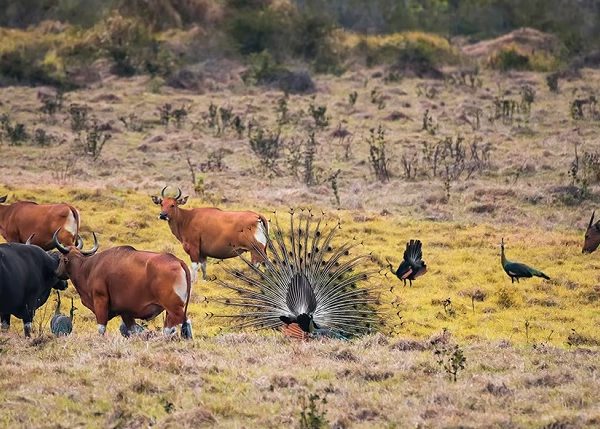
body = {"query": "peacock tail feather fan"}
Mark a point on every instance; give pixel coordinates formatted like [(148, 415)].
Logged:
[(306, 280)]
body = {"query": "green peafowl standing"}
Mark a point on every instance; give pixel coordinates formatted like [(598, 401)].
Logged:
[(516, 270), (306, 288), (61, 325)]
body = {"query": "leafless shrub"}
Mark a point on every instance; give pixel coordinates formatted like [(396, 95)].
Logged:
[(310, 150), (378, 158), (577, 108), (92, 139), (215, 161), (132, 122), (52, 103), (410, 165), (267, 146), (79, 115), (467, 77), (429, 124), (429, 91)]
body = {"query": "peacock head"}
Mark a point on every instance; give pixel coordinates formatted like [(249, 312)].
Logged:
[(592, 236)]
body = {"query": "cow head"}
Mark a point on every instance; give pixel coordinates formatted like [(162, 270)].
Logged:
[(68, 253), (3, 199), (168, 205), (592, 236)]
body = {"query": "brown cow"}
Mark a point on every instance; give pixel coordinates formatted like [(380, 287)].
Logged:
[(592, 236), (123, 281), (21, 220), (212, 232)]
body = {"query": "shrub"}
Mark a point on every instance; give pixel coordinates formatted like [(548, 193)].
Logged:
[(510, 59), (377, 154), (14, 132), (91, 141), (264, 70), (267, 146)]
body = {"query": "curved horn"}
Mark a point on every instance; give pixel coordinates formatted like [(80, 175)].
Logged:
[(178, 194), (93, 249), (28, 242), (57, 245), (592, 219), (162, 193), (79, 242)]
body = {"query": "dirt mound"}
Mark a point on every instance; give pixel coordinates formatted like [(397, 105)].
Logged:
[(526, 39)]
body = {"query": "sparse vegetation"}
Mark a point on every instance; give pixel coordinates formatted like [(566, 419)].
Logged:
[(378, 157), (468, 155)]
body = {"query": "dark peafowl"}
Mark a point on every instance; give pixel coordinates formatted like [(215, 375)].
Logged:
[(306, 288), (61, 325), (413, 265), (516, 270)]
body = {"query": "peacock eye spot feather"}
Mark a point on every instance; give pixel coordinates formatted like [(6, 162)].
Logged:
[(329, 248), (347, 252)]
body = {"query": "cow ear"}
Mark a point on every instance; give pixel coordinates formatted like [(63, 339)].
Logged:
[(182, 201), (156, 200), (3, 199)]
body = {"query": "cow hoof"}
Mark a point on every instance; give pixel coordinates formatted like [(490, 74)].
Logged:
[(135, 330), (101, 329), (4, 327), (169, 332)]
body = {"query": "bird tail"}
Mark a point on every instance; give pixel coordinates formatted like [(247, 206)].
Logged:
[(304, 273), (539, 274), (413, 250)]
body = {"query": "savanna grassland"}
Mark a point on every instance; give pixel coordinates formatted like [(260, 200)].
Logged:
[(528, 176)]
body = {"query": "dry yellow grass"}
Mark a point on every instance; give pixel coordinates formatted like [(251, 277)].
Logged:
[(233, 380)]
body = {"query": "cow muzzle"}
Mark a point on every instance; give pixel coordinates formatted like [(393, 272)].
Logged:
[(163, 216), (61, 284)]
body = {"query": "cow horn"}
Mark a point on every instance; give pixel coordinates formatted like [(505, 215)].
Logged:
[(28, 242), (178, 194), (93, 249), (592, 219), (162, 193), (79, 242), (62, 249)]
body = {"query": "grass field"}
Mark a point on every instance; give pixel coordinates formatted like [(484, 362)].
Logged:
[(531, 348)]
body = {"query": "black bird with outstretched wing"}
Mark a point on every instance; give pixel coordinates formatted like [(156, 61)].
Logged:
[(413, 265)]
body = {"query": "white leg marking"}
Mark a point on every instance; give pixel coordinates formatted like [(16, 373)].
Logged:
[(194, 271), (71, 224), (101, 329), (180, 287), (27, 328), (203, 266), (169, 331), (261, 235)]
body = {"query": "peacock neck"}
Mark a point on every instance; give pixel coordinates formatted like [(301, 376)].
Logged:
[(502, 256)]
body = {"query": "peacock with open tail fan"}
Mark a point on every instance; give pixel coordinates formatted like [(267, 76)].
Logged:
[(306, 287)]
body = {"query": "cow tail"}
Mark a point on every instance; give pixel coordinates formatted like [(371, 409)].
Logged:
[(77, 219), (188, 279), (265, 224)]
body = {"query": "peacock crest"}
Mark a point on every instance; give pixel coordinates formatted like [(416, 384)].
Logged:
[(306, 281)]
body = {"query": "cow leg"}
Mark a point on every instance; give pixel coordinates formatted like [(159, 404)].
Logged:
[(4, 322), (198, 261), (175, 316), (28, 325), (101, 312), (127, 326)]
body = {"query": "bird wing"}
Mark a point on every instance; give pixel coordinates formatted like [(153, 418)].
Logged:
[(517, 269), (294, 331), (300, 297)]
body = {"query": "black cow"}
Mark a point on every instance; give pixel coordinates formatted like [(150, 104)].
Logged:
[(27, 275)]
